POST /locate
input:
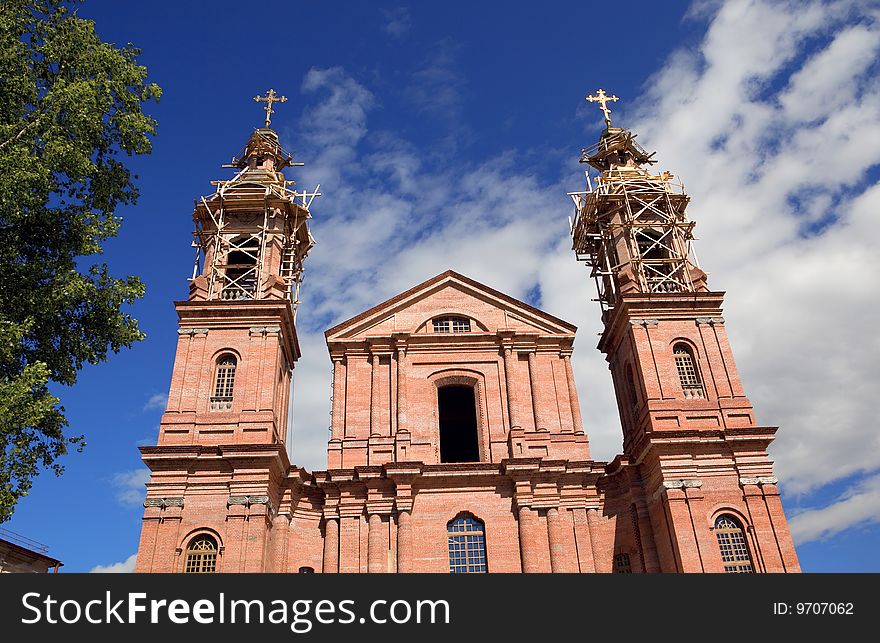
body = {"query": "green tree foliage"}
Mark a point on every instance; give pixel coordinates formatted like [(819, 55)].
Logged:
[(70, 111)]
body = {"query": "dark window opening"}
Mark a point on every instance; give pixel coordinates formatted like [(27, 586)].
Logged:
[(631, 389), (652, 245), (458, 424), (622, 564), (240, 276)]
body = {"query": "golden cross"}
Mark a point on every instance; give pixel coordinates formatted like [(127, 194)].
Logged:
[(603, 99), (269, 98)]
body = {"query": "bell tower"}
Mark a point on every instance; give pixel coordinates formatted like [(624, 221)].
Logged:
[(690, 438), (237, 338), (217, 493)]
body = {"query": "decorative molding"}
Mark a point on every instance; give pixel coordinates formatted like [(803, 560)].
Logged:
[(687, 483), (247, 501), (759, 480), (175, 501), (192, 331), (710, 320), (644, 322), (262, 330)]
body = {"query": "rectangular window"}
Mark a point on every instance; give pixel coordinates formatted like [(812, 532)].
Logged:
[(452, 325), (467, 547)]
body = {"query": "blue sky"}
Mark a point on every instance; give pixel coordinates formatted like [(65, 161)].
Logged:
[(445, 135)]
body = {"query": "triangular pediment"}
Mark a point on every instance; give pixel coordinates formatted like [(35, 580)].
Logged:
[(454, 295)]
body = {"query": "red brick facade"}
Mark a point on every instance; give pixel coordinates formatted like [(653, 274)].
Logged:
[(221, 475)]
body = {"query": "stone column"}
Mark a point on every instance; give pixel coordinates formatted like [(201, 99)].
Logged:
[(584, 541), (331, 545), (404, 543), (401, 387), (528, 523), (375, 391), (780, 526), (767, 557), (349, 544), (600, 564), (512, 405), (338, 423), (376, 558), (538, 406), (279, 537), (556, 538), (681, 527), (651, 558), (235, 537), (258, 516), (572, 395)]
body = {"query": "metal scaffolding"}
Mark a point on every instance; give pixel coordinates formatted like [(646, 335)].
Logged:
[(630, 225), (254, 226)]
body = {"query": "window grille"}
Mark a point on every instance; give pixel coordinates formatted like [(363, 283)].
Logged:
[(734, 550), (687, 373), (467, 546), (452, 325), (224, 384), (622, 564), (201, 556)]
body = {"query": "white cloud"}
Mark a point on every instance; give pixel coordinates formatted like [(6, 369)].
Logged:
[(858, 506), (398, 21), (436, 86), (130, 490), (774, 123), (157, 401), (776, 164), (391, 221), (124, 567)]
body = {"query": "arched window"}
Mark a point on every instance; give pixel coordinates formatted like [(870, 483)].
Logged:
[(457, 410), (622, 564), (240, 273), (201, 556), (655, 254), (452, 325), (631, 389), (688, 374), (224, 383), (732, 542), (467, 545)]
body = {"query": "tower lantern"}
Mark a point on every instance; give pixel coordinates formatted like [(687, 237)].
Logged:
[(630, 225), (691, 444), (252, 234), (237, 341)]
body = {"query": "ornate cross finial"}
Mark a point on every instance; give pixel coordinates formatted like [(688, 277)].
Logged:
[(269, 98), (603, 99)]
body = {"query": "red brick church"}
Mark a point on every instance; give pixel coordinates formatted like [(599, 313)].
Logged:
[(457, 443)]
